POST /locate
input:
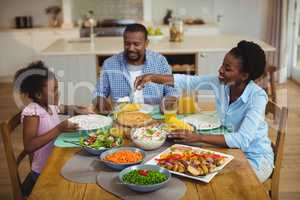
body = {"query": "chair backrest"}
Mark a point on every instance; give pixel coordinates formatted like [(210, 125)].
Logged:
[(280, 114), (13, 162), (267, 82)]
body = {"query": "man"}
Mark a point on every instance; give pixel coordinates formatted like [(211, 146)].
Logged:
[(119, 73)]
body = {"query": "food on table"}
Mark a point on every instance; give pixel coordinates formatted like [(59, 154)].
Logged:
[(124, 157), (116, 132), (144, 177), (101, 139), (148, 138), (174, 124), (190, 161), (130, 107), (134, 119)]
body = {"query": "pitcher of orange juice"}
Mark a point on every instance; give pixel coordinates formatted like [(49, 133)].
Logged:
[(186, 103)]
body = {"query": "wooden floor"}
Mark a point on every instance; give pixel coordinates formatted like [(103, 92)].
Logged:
[(290, 173)]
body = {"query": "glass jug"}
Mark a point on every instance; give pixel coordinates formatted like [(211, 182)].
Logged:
[(176, 30)]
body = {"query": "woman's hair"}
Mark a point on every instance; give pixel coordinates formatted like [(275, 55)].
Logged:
[(31, 79), (252, 57)]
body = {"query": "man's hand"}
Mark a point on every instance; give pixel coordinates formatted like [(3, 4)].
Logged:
[(140, 81), (83, 110), (103, 105), (184, 136)]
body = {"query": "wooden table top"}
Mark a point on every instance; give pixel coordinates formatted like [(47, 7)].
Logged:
[(236, 181)]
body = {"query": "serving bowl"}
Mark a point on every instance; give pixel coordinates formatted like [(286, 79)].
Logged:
[(120, 166), (148, 138), (144, 188)]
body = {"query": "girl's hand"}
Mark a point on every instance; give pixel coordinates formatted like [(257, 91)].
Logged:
[(67, 126), (184, 136)]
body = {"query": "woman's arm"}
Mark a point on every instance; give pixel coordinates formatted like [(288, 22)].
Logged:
[(32, 141), (180, 81), (190, 137)]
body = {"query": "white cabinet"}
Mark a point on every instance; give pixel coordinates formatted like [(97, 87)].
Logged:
[(210, 62), (20, 47), (16, 52)]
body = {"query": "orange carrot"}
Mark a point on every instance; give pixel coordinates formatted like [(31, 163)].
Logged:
[(122, 157)]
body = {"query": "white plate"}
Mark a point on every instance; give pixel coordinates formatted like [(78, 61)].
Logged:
[(90, 122), (204, 120), (206, 178), (146, 108)]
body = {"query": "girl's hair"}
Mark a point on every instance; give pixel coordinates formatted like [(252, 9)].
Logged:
[(31, 79), (252, 57)]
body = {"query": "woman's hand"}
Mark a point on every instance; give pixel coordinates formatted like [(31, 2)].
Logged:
[(184, 136), (67, 126)]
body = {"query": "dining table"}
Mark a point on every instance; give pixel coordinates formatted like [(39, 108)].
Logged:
[(236, 181)]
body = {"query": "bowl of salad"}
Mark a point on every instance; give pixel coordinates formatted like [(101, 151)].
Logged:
[(144, 178), (101, 140), (148, 138)]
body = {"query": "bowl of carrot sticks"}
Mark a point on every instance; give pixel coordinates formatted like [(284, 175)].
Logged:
[(122, 157)]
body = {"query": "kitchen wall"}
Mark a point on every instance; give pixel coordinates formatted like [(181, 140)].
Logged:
[(243, 17), (109, 9), (191, 8), (36, 8)]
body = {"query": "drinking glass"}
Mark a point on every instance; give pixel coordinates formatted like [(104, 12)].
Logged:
[(169, 107)]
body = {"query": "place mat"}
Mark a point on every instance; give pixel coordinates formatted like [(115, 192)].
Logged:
[(175, 188), (83, 167), (72, 136)]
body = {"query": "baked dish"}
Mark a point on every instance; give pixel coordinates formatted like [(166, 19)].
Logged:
[(134, 119)]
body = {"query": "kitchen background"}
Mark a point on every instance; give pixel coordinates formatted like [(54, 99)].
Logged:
[(232, 16), (237, 17)]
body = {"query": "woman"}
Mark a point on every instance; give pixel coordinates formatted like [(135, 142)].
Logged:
[(240, 103)]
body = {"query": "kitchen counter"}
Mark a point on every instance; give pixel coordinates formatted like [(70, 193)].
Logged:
[(112, 45)]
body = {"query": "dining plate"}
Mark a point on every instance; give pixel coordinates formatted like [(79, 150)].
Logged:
[(207, 178), (204, 120), (91, 122)]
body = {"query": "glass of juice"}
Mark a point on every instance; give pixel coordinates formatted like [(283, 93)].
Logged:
[(169, 107)]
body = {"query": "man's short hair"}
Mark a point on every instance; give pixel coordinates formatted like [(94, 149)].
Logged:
[(136, 28)]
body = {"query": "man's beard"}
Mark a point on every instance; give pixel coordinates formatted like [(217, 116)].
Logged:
[(132, 56)]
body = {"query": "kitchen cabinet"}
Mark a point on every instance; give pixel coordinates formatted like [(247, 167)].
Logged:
[(16, 52), (209, 62), (20, 47)]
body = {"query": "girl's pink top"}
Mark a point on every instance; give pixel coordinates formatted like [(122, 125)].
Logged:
[(46, 122)]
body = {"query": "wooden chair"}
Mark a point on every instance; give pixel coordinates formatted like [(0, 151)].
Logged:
[(272, 184), (7, 128), (267, 82)]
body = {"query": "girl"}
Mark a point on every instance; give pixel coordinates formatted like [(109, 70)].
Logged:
[(41, 124), (240, 103)]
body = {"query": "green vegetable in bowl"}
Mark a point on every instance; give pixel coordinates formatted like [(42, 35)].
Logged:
[(101, 139), (144, 177)]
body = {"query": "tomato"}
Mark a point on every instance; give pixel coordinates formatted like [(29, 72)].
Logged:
[(143, 172)]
